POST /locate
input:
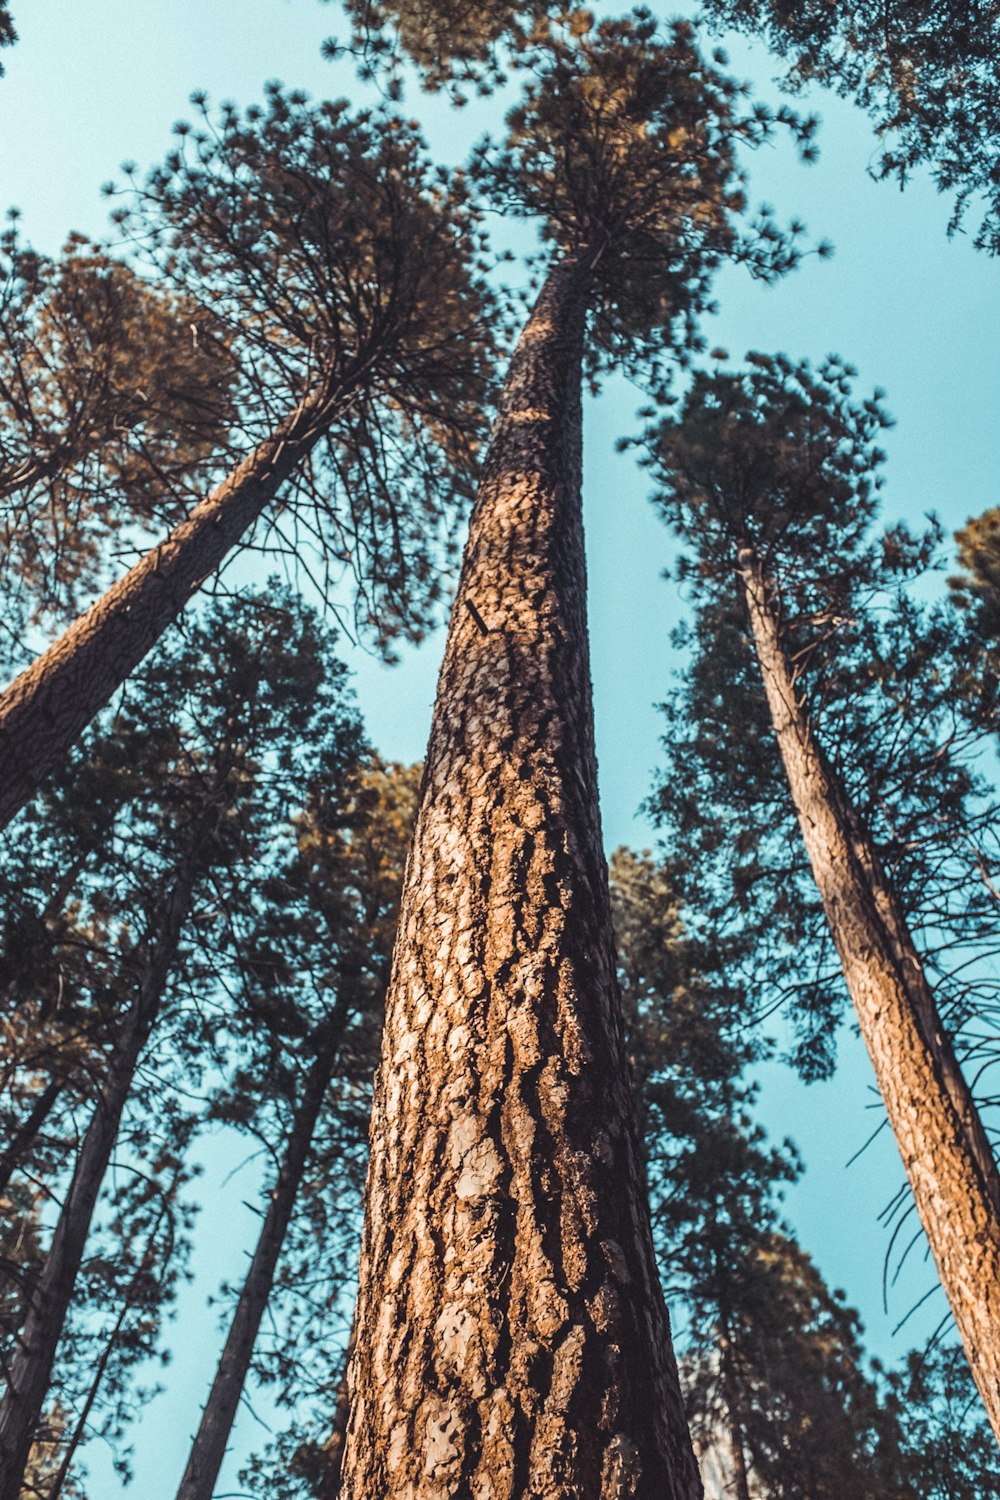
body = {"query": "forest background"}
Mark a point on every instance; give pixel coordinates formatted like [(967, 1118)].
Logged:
[(915, 311)]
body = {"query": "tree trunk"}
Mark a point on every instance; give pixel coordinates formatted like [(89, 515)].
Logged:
[(511, 1335), (28, 1130), (45, 709), (209, 1446), (741, 1482), (100, 1369), (333, 1453), (31, 1367), (944, 1147)]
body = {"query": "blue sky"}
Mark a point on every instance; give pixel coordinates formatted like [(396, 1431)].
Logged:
[(89, 86)]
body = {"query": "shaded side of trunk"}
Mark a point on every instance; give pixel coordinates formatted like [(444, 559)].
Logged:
[(944, 1147), (31, 1367), (511, 1334), (209, 1446), (46, 708)]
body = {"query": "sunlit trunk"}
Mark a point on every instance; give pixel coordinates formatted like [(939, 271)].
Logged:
[(944, 1147), (511, 1335)]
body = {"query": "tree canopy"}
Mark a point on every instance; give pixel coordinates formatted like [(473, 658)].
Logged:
[(927, 71)]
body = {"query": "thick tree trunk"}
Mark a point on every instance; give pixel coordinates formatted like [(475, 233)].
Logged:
[(209, 1446), (511, 1335), (31, 1367), (45, 709), (944, 1147)]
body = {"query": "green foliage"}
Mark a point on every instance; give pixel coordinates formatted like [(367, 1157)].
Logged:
[(778, 458), (625, 148), (7, 33), (771, 1361), (326, 938), (950, 1451), (111, 413), (927, 71), (326, 255), (226, 733)]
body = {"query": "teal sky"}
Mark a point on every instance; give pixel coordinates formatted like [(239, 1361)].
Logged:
[(90, 85)]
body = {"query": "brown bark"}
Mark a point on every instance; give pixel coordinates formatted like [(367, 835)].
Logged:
[(46, 708), (511, 1335), (31, 1368), (209, 1446), (945, 1150)]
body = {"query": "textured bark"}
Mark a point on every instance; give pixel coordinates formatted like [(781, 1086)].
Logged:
[(944, 1147), (209, 1446), (31, 1368), (511, 1335), (46, 708)]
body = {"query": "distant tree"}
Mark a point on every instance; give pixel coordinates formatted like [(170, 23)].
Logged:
[(927, 71), (949, 1450), (510, 1334), (323, 943), (771, 1362), (768, 475), (979, 559), (209, 751), (342, 276), (976, 589)]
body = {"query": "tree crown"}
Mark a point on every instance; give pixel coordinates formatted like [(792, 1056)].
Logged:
[(625, 148)]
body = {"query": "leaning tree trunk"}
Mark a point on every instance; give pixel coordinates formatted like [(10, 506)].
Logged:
[(945, 1150), (209, 1446), (511, 1335), (31, 1368), (28, 1131), (45, 709)]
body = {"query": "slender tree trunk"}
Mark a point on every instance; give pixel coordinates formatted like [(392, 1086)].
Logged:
[(333, 1469), (29, 1128), (741, 1482), (100, 1370), (45, 709), (31, 1367), (945, 1150), (511, 1335), (209, 1446)]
